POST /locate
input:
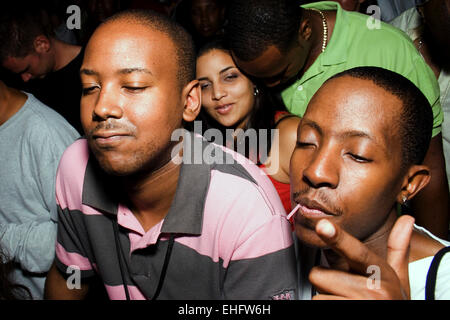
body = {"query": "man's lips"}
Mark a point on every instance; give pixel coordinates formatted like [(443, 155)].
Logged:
[(109, 138), (108, 134), (312, 209)]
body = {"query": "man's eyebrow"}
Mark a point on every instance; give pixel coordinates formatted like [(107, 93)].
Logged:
[(131, 70), (88, 72), (346, 134), (343, 135), (361, 134), (357, 134), (312, 124)]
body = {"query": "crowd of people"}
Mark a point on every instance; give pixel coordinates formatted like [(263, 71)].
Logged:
[(210, 149)]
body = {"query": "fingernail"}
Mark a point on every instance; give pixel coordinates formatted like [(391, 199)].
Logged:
[(326, 228)]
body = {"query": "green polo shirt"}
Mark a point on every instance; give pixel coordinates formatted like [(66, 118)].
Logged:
[(354, 44)]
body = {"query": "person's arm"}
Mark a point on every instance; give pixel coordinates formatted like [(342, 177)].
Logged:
[(30, 244), (282, 147), (71, 256), (56, 287), (263, 267), (257, 249), (430, 207), (288, 139)]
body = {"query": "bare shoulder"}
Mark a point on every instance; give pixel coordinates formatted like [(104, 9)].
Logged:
[(287, 136), (285, 142), (422, 246), (288, 127)]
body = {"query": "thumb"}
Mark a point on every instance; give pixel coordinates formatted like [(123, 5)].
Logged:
[(398, 249)]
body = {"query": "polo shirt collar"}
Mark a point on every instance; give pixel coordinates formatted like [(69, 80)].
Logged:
[(185, 215), (99, 189), (336, 50)]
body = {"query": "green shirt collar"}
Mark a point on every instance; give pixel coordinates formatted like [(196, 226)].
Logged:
[(336, 50)]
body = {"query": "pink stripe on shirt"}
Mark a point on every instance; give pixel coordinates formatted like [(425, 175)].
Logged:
[(266, 239), (226, 229), (118, 293), (69, 188), (264, 184), (72, 259)]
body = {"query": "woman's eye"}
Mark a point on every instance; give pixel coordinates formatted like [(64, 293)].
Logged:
[(204, 86), (231, 77)]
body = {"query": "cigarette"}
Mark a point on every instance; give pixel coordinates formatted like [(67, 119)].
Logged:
[(293, 211)]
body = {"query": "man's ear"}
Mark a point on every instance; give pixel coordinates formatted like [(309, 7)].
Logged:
[(192, 100), (41, 44), (415, 180), (305, 30)]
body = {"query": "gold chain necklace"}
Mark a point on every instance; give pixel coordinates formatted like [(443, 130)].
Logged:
[(325, 28)]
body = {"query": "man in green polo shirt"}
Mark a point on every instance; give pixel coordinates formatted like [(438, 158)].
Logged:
[(296, 49)]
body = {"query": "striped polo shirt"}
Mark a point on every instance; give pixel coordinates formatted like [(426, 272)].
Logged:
[(231, 236)]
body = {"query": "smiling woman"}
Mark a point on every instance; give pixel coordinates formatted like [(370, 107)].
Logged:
[(230, 100)]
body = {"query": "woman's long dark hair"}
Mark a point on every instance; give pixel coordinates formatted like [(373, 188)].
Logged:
[(8, 289), (262, 115)]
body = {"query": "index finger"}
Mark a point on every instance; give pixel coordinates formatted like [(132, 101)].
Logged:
[(358, 256)]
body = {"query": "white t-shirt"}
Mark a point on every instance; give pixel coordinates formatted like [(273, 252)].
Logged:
[(418, 271)]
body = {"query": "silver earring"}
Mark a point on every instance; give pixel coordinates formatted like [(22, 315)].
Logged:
[(404, 200), (256, 91)]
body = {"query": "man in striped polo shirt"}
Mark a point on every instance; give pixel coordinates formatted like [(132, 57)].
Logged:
[(151, 227)]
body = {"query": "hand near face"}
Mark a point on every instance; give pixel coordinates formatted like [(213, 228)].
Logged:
[(354, 282)]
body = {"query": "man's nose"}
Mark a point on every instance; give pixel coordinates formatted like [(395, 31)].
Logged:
[(107, 105), (322, 170)]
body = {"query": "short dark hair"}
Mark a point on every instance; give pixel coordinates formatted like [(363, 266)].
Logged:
[(19, 26), (415, 119), (254, 25), (184, 46)]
